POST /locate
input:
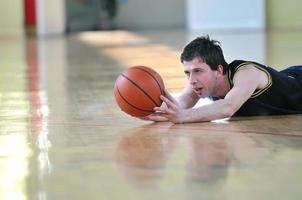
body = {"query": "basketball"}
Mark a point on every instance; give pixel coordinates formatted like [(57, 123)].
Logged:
[(137, 91)]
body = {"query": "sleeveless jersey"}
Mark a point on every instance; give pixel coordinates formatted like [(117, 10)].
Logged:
[(282, 95)]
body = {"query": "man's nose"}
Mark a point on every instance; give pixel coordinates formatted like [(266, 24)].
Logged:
[(192, 80)]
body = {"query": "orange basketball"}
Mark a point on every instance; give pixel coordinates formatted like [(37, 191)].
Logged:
[(137, 91)]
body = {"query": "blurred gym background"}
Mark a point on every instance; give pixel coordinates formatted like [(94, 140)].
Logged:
[(60, 17)]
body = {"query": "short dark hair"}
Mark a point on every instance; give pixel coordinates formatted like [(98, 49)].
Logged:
[(206, 49)]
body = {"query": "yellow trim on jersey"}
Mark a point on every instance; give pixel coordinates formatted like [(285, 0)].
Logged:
[(230, 78), (257, 92)]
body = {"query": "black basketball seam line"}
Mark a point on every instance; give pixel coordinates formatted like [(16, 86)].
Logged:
[(161, 89), (141, 89), (149, 111)]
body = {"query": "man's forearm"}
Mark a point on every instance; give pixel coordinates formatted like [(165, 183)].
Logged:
[(185, 101), (218, 110)]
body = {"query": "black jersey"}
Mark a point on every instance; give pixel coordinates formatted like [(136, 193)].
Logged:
[(282, 95)]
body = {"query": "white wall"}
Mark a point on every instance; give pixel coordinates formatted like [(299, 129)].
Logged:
[(11, 17), (148, 14), (225, 14), (50, 17), (284, 14)]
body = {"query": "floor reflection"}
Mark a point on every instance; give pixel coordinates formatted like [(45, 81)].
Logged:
[(218, 157), (14, 128), (149, 148), (209, 160), (39, 110), (142, 153)]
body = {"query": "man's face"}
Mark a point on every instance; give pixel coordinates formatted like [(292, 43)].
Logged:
[(201, 77)]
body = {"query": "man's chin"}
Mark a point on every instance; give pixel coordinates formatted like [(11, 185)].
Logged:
[(202, 95)]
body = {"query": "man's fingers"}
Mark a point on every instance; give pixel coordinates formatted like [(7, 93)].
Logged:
[(169, 96), (160, 110), (169, 102), (156, 117)]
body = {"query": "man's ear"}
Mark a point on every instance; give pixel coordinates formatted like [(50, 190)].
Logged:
[(219, 70)]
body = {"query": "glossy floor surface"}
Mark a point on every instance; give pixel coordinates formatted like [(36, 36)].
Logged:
[(63, 137)]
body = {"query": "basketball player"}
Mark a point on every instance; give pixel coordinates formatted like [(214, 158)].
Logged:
[(240, 88)]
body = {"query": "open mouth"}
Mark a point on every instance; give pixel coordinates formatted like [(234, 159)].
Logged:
[(198, 90)]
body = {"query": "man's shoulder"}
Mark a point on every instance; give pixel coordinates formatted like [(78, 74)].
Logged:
[(238, 62), (253, 72), (235, 65)]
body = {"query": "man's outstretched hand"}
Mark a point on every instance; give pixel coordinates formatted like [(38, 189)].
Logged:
[(168, 111)]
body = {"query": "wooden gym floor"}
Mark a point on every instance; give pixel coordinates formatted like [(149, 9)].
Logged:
[(63, 137)]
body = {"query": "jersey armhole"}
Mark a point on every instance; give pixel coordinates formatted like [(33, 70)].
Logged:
[(256, 93)]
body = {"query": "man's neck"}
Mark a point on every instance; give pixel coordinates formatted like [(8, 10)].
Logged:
[(223, 87)]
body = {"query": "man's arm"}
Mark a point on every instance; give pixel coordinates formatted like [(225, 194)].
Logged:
[(246, 81), (188, 98)]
